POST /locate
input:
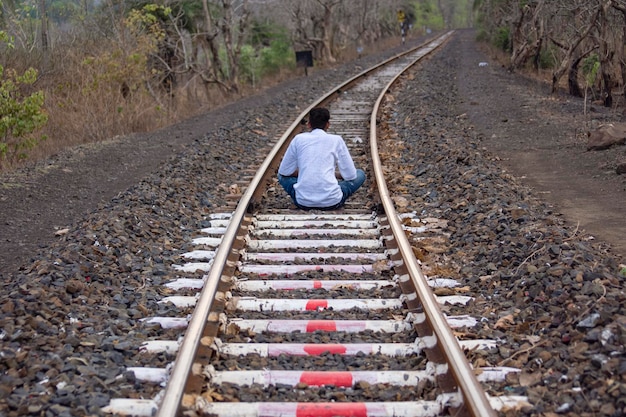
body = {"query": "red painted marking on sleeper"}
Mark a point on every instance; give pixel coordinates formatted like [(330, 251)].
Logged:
[(319, 349), (324, 325), (316, 304), (331, 410), (317, 379)]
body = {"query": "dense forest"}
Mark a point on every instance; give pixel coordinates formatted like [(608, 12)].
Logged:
[(78, 71)]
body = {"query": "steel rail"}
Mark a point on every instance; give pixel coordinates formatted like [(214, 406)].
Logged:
[(175, 388), (474, 396)]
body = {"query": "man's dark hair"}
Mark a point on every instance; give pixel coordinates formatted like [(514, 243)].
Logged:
[(318, 117)]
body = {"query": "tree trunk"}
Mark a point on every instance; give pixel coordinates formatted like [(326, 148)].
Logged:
[(527, 37), (44, 33), (620, 52), (621, 45), (541, 35), (210, 37), (327, 37), (232, 80), (572, 79), (606, 56), (571, 51)]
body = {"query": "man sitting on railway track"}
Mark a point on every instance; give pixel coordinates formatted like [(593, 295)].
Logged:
[(307, 171)]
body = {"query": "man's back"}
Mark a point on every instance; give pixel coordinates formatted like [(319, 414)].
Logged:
[(307, 171), (315, 155)]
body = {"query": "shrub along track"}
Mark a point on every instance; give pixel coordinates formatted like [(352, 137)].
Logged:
[(559, 284)]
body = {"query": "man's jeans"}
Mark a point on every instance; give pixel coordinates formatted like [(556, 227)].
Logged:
[(347, 187)]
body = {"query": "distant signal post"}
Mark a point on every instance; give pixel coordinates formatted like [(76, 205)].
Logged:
[(402, 21)]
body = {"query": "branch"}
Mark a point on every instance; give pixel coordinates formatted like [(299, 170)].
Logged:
[(557, 43), (621, 7)]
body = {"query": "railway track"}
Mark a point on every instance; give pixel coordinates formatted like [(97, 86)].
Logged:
[(316, 313)]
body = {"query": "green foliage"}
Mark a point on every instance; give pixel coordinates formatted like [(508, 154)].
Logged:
[(435, 14), (267, 51), (112, 70), (21, 111), (427, 15), (279, 54), (117, 69), (248, 63), (257, 63), (188, 13), (482, 36), (22, 21), (462, 17), (487, 17), (64, 11), (547, 58), (590, 67), (147, 21), (6, 39), (262, 33), (21, 114), (502, 39)]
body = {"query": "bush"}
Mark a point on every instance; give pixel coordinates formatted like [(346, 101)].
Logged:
[(502, 39), (269, 60), (590, 67), (21, 112), (277, 56), (249, 65), (482, 36), (547, 58)]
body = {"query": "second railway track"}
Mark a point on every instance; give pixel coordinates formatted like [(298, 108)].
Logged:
[(316, 314)]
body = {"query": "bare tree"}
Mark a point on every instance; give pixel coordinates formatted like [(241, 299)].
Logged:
[(577, 23), (43, 15), (224, 24), (606, 52), (527, 35), (570, 30), (620, 23), (363, 22), (329, 26), (234, 26), (447, 10), (314, 27), (326, 29)]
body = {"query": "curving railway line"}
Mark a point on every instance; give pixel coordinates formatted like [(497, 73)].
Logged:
[(316, 313)]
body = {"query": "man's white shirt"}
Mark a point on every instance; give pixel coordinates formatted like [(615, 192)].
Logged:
[(316, 155)]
